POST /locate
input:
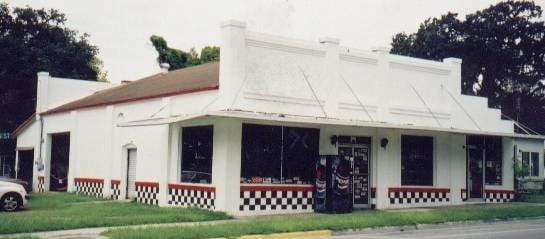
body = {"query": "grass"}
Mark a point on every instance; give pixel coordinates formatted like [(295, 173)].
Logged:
[(534, 198), (57, 211), (356, 220)]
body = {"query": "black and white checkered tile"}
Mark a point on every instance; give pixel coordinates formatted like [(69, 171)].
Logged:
[(115, 190), (41, 184), (274, 199), (373, 196), (147, 193), (463, 194), (89, 187), (191, 196), (499, 196), (406, 197)]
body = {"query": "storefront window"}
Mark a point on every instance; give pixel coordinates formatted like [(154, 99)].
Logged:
[(530, 162), (197, 154), (278, 155), (416, 160), (494, 159)]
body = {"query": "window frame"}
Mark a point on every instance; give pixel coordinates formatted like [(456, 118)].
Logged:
[(279, 179), (433, 166), (180, 166), (530, 164)]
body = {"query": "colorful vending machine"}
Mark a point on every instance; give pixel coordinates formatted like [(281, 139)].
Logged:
[(332, 191)]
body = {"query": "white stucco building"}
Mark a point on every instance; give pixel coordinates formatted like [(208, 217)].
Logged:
[(243, 135)]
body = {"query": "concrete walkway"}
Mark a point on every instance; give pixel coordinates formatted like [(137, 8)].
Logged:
[(94, 232)]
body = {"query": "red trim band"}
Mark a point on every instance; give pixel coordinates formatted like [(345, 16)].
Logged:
[(253, 188), (373, 190), (193, 187), (41, 177), (115, 181), (498, 191), (146, 184), (181, 92), (420, 190), (89, 180)]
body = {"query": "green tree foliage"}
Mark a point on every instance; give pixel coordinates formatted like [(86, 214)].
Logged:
[(503, 53), (178, 59), (33, 40)]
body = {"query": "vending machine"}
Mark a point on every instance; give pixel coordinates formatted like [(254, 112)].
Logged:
[(332, 191)]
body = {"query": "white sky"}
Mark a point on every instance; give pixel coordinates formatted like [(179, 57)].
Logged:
[(121, 29)]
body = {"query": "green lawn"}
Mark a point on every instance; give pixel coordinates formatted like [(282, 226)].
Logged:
[(534, 198), (356, 220), (56, 211)]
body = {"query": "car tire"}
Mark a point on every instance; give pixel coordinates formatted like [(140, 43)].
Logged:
[(11, 202)]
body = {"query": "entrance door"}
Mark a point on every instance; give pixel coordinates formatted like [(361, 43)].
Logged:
[(475, 166), (25, 166), (131, 174), (357, 151), (60, 151)]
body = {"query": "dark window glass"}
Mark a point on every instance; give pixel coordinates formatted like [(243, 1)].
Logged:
[(275, 154), (300, 153), (416, 160), (197, 154), (261, 153), (535, 163), (526, 163), (494, 159)]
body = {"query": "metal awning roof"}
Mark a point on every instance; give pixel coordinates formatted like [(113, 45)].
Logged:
[(247, 115)]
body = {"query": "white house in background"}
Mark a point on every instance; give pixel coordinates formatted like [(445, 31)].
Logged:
[(242, 135)]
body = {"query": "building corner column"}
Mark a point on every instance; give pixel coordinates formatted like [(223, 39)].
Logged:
[(226, 164)]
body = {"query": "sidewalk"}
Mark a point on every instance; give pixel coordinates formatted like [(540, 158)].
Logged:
[(94, 232)]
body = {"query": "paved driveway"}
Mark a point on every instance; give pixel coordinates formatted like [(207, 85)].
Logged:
[(524, 229)]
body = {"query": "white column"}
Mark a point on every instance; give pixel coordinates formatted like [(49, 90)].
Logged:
[(72, 153), (232, 64), (331, 71), (385, 82), (226, 164), (109, 113), (163, 160)]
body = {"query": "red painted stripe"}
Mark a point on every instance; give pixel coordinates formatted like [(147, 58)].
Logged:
[(420, 190), (373, 190), (89, 180), (181, 92), (253, 188), (115, 181), (146, 184), (498, 191), (192, 187), (40, 177)]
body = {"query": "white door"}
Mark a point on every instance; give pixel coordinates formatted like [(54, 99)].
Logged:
[(131, 173)]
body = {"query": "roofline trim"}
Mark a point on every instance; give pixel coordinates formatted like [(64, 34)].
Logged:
[(181, 92), (23, 126)]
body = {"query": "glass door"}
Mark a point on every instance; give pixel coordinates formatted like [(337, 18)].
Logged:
[(358, 155)]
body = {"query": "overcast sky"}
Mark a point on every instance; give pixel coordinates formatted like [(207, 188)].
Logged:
[(121, 29)]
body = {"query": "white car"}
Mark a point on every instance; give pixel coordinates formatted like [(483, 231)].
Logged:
[(12, 196)]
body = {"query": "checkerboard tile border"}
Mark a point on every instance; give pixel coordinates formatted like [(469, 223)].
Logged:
[(463, 194), (189, 195), (272, 198), (418, 197), (373, 196), (115, 190), (89, 186), (41, 184), (147, 192), (499, 196)]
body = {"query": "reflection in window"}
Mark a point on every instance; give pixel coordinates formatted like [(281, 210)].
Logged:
[(494, 160), (275, 154), (416, 160), (197, 154)]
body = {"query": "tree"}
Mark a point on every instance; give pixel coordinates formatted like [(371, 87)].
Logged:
[(33, 40), (503, 53), (178, 59)]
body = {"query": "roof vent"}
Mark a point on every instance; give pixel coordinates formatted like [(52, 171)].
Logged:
[(164, 67)]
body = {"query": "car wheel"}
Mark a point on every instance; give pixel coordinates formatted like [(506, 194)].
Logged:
[(10, 202)]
